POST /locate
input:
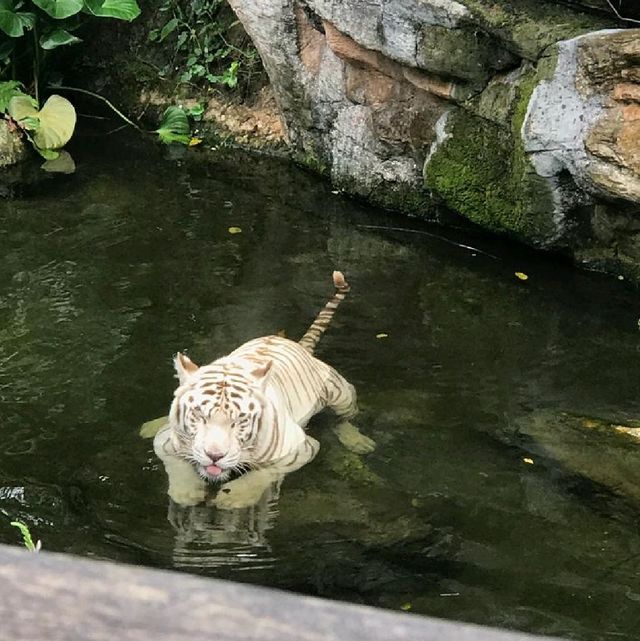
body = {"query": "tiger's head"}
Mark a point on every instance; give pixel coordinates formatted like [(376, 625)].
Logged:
[(216, 413)]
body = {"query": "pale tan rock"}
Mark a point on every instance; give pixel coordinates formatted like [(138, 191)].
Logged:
[(12, 147)]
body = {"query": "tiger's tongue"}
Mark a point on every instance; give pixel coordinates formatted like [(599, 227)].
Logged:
[(214, 470)]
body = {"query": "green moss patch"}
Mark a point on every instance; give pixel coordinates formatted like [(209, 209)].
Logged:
[(528, 27), (482, 172)]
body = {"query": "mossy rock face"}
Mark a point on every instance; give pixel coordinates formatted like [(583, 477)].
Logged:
[(480, 168), (479, 172), (528, 27), (463, 53)]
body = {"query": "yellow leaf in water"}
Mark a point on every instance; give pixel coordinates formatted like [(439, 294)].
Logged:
[(406, 607), (382, 335), (522, 276), (529, 461), (235, 230), (194, 141)]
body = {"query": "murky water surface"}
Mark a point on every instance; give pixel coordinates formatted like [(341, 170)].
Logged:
[(493, 496)]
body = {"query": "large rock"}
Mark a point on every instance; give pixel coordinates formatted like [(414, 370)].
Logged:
[(12, 147), (521, 116)]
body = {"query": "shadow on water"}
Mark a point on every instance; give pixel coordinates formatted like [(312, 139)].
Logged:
[(108, 273)]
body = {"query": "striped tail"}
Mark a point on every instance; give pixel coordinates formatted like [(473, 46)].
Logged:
[(323, 319)]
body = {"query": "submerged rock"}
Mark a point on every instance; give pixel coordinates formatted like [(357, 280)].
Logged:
[(602, 451)]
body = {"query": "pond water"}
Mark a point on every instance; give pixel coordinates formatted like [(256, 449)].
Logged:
[(497, 493)]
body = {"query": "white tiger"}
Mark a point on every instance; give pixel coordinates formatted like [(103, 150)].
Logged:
[(247, 411)]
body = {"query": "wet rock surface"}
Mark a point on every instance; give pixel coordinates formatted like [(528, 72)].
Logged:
[(520, 116)]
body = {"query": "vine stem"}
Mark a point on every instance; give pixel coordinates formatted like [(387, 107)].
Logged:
[(621, 17), (99, 97), (36, 63)]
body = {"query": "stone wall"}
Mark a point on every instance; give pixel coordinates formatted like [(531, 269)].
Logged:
[(520, 115)]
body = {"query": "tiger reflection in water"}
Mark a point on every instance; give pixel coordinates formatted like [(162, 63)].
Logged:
[(245, 414)]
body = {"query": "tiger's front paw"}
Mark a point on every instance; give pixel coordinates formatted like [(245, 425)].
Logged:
[(243, 492), (188, 496), (353, 439)]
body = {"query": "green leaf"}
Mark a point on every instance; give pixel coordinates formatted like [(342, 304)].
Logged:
[(13, 23), (170, 27), (21, 107), (59, 9), (174, 126), (58, 38), (8, 90), (26, 535), (55, 121), (196, 111), (121, 9), (31, 123), (47, 154)]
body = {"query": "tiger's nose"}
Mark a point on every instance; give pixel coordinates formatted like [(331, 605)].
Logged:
[(214, 456)]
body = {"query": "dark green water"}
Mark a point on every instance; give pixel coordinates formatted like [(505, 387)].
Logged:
[(106, 274)]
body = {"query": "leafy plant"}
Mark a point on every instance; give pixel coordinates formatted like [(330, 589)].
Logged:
[(49, 128), (175, 126), (29, 31), (26, 536), (32, 28), (199, 31)]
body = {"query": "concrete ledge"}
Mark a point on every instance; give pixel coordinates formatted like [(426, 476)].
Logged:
[(55, 597)]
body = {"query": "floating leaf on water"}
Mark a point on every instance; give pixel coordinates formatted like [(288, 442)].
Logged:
[(235, 230), (406, 607), (382, 335), (528, 461), (522, 276), (194, 141)]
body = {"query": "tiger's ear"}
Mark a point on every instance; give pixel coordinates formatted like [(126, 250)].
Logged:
[(261, 371), (185, 367)]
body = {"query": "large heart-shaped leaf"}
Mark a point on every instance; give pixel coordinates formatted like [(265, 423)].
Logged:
[(52, 126), (60, 8), (58, 38), (122, 9)]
